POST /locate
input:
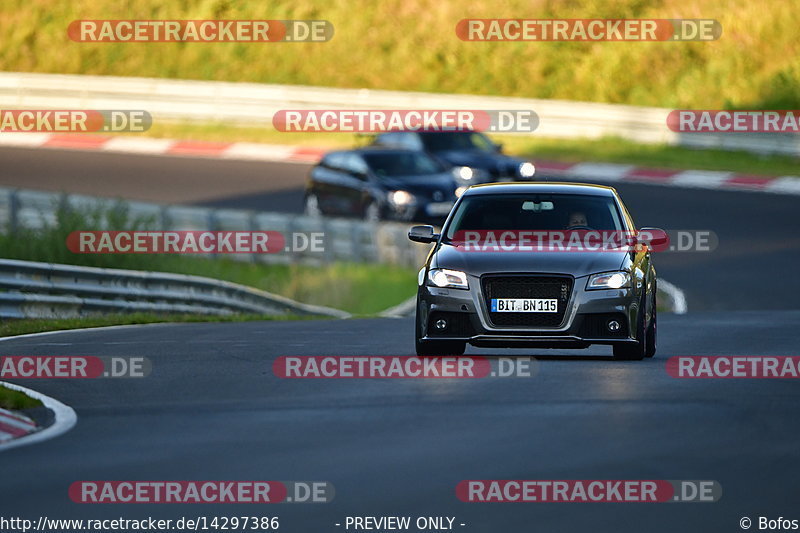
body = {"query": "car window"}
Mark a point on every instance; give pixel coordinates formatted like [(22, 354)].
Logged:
[(397, 164), (514, 212), (387, 139), (399, 139), (334, 161), (354, 165)]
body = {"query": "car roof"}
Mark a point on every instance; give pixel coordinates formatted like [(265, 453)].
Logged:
[(374, 150), (540, 187)]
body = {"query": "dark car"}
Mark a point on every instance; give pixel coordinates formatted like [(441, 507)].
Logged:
[(474, 155), (381, 183), (551, 297)]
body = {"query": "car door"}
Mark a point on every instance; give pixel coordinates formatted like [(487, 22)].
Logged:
[(326, 182), (353, 189)]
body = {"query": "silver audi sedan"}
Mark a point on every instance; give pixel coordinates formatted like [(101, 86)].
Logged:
[(547, 265)]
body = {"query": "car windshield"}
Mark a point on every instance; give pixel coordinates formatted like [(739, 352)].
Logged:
[(397, 164), (456, 140), (526, 212)]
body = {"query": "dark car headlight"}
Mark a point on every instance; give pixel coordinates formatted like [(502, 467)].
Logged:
[(527, 169), (444, 278), (469, 175), (401, 199), (609, 280)]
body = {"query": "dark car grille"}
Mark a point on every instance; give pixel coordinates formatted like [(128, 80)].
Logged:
[(559, 287)]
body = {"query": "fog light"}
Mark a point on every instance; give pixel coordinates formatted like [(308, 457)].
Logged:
[(441, 324), (613, 325)]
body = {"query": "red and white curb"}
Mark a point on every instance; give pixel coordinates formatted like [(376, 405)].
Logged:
[(13, 426), (701, 179), (21, 431), (596, 172), (150, 146)]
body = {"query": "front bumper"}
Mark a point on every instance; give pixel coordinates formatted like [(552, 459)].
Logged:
[(584, 322)]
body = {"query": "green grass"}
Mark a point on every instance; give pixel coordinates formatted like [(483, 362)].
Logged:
[(615, 150), (411, 45), (11, 399), (357, 288)]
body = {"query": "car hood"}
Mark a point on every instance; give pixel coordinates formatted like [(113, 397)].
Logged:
[(423, 185), (478, 159), (575, 263)]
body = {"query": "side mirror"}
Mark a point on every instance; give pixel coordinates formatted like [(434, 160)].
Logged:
[(655, 238), (498, 147), (422, 234)]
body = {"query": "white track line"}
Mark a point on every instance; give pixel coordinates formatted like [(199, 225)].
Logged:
[(98, 328), (676, 294), (65, 419)]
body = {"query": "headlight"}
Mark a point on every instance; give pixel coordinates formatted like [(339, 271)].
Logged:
[(463, 173), (401, 198), (461, 191), (609, 280), (441, 277), (527, 170), (468, 174)]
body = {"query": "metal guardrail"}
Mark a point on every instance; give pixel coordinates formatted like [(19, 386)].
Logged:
[(46, 290), (249, 102), (31, 289), (343, 239), (43, 290)]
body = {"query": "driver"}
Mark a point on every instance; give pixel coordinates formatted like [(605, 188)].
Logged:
[(577, 219)]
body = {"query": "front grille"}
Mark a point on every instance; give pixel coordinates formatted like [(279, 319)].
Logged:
[(458, 325), (498, 286), (593, 326)]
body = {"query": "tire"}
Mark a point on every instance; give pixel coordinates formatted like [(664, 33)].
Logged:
[(427, 348), (372, 213), (311, 206), (637, 351), (650, 340)]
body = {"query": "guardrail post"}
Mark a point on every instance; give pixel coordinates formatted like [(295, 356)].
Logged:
[(13, 220), (251, 225), (326, 233), (213, 223), (163, 215), (290, 225)]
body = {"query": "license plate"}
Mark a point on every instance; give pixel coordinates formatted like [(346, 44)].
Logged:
[(524, 305), (439, 208)]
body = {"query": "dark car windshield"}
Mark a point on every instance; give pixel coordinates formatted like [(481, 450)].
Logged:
[(396, 164), (535, 212), (456, 140)]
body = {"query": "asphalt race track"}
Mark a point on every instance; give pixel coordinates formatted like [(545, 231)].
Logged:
[(212, 408)]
